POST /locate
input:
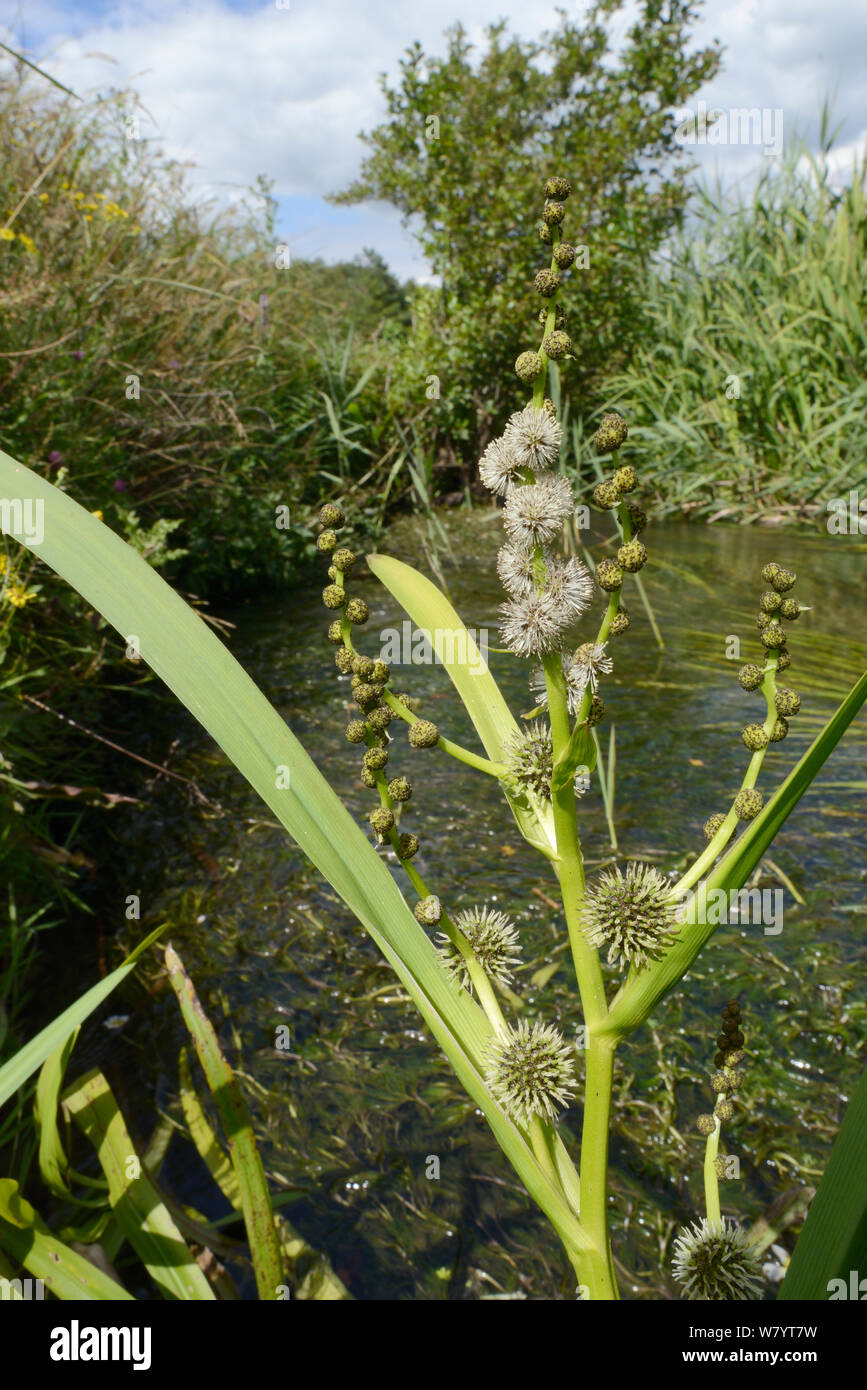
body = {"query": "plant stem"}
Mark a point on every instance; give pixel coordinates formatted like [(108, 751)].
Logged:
[(711, 1181), (454, 750)]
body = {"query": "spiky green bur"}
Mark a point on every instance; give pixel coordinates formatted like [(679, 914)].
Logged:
[(612, 432), (494, 943), (531, 1071), (630, 914), (530, 761), (715, 1261)]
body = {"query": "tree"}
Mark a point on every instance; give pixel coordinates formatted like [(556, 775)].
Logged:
[(463, 153)]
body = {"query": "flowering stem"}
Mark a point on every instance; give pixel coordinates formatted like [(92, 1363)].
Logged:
[(711, 1181), (454, 750)]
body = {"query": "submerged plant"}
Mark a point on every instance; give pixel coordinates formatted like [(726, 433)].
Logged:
[(456, 960)]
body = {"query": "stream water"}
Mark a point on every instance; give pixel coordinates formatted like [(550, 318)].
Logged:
[(353, 1113)]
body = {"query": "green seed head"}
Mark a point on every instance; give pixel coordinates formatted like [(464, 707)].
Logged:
[(531, 1071), (626, 479), (557, 345), (712, 825), (715, 1260), (379, 719), (611, 433), (564, 255), (632, 556), (335, 631), (557, 187), (751, 676), (494, 943), (546, 283), (631, 914), (609, 575), (343, 560), (553, 214), (376, 759), (770, 601), (423, 734), (605, 496), (382, 821), (326, 541), (779, 731), (356, 730), (790, 609), (331, 515), (773, 635), (428, 911), (528, 366), (407, 846), (357, 610), (783, 580), (705, 1124), (619, 623), (333, 596), (748, 804), (755, 738), (399, 789), (788, 702), (343, 660)]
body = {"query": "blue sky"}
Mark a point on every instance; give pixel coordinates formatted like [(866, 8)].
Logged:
[(284, 87)]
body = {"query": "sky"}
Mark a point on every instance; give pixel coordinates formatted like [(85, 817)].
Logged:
[(283, 88)]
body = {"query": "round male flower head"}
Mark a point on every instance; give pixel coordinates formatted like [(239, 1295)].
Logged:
[(399, 789), (619, 623), (379, 719), (368, 778), (751, 676), (534, 625), (770, 601), (343, 560), (715, 1260), (407, 846), (783, 580), (366, 695), (762, 621), (529, 365), (784, 658), (331, 515), (773, 635), (326, 541), (515, 569), (625, 479), (557, 187), (597, 710), (557, 345), (564, 255), (343, 661), (423, 734), (545, 233), (787, 702), (533, 436), (724, 1108), (705, 1124), (631, 914), (779, 731), (790, 609), (381, 672), (494, 943), (637, 518), (712, 825), (428, 911), (546, 283), (748, 803), (553, 214), (609, 575), (362, 666), (606, 495), (769, 571), (335, 631), (531, 1071), (611, 433), (500, 467), (376, 758), (333, 596), (356, 730), (632, 556), (530, 761), (589, 662), (534, 515), (357, 611), (575, 673), (755, 738), (382, 821)]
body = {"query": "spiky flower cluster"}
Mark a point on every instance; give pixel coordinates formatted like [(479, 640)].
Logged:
[(581, 671), (530, 762), (531, 1071), (715, 1260), (632, 914), (493, 941)]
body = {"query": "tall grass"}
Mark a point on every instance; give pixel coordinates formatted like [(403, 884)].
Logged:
[(750, 390)]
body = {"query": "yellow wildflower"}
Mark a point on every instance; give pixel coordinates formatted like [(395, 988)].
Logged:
[(27, 242), (97, 514), (17, 595), (6, 234)]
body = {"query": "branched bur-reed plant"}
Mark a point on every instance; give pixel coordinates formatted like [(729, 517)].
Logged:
[(456, 965)]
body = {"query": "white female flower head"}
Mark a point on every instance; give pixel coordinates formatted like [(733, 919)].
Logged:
[(515, 568), (530, 762), (534, 437), (534, 625), (494, 943), (631, 914), (716, 1260), (500, 467), (531, 1071), (534, 515)]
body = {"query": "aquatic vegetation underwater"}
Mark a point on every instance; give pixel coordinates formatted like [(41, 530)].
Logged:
[(457, 964)]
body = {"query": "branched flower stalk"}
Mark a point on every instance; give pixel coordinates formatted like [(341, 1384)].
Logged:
[(631, 919)]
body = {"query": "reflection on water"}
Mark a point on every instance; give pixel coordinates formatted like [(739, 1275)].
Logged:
[(352, 1115)]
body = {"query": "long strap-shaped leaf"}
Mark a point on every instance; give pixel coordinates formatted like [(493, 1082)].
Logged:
[(494, 722), (640, 995), (24, 1235), (833, 1243), (175, 642)]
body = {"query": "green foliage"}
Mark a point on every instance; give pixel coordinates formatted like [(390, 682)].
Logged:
[(460, 155)]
